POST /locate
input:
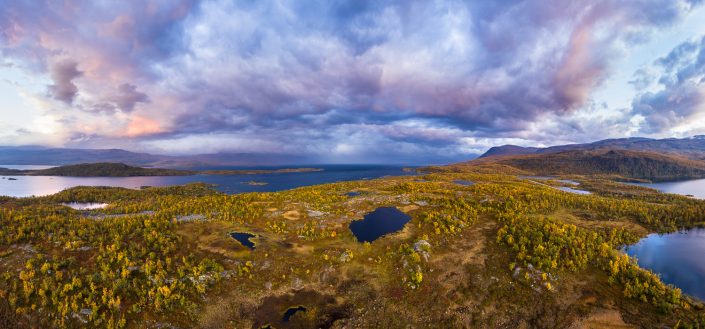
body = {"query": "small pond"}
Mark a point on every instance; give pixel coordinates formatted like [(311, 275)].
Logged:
[(352, 194), (291, 311), (676, 257), (464, 182), (382, 221), (244, 239), (85, 205)]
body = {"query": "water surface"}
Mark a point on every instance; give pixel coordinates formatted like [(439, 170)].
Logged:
[(382, 221), (85, 205), (676, 257), (26, 167), (695, 187), (44, 185), (572, 190), (244, 239), (291, 311)]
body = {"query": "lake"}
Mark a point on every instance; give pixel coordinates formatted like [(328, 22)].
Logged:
[(44, 185), (695, 187), (676, 257), (382, 221)]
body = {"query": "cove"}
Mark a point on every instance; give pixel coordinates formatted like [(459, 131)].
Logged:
[(676, 257)]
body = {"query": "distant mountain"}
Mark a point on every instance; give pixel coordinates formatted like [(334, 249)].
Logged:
[(105, 169), (624, 163), (692, 148), (37, 155), (509, 150)]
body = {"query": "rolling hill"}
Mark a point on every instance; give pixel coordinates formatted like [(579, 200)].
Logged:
[(38, 155), (692, 147), (104, 169), (614, 162)]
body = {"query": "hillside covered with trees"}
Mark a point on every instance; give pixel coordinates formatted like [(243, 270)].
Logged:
[(622, 163)]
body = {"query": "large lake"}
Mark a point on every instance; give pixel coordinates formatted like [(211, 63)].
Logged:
[(44, 185), (695, 187), (676, 257)]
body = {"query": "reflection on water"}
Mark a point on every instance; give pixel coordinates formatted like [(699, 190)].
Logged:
[(26, 167), (572, 190), (85, 205), (695, 187), (44, 185), (676, 257)]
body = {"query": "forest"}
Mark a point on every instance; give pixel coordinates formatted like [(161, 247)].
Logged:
[(616, 163)]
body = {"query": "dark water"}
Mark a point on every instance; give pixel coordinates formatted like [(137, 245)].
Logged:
[(464, 182), (352, 194), (695, 187), (244, 239), (44, 185), (378, 223), (676, 257), (291, 311)]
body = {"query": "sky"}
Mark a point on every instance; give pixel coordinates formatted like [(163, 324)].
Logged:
[(348, 81)]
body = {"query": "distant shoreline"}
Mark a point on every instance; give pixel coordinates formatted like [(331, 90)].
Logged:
[(109, 169)]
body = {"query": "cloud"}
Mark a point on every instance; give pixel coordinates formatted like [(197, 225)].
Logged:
[(62, 74), (356, 76), (127, 97), (680, 97)]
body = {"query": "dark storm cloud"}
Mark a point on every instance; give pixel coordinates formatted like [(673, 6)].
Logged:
[(351, 56)]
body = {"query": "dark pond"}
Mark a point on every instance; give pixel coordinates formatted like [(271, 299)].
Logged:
[(244, 239), (45, 185), (676, 257), (463, 182), (351, 194), (291, 311), (382, 221)]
